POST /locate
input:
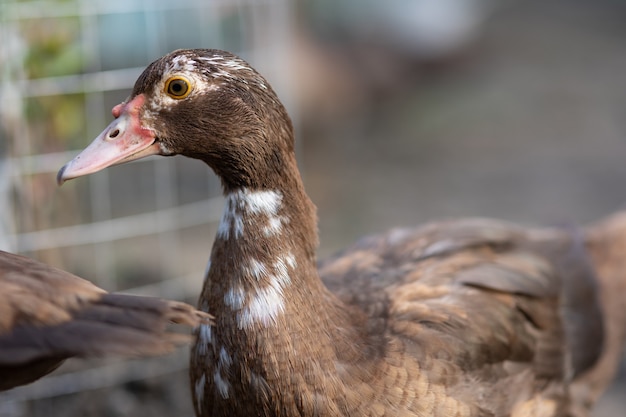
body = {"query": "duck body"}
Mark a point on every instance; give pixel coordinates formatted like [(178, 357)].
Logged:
[(48, 315), (469, 317), (438, 321)]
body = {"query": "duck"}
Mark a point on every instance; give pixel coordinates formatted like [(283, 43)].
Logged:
[(459, 317), (48, 315)]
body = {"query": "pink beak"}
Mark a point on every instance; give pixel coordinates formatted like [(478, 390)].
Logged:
[(124, 140)]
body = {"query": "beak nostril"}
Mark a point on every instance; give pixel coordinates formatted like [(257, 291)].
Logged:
[(114, 133)]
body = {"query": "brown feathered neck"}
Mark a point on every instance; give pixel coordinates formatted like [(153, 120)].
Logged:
[(274, 317)]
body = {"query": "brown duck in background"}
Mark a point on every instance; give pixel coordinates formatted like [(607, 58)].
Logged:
[(470, 317), (48, 315)]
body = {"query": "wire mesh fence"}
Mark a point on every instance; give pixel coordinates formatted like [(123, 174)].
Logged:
[(145, 227)]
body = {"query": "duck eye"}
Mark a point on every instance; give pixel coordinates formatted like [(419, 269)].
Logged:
[(177, 87)]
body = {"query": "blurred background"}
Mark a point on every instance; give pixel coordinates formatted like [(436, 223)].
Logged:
[(405, 111)]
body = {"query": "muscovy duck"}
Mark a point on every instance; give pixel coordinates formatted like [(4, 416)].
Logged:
[(469, 317)]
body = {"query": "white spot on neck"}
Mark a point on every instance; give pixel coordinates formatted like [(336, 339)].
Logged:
[(281, 267), (245, 202), (290, 260), (256, 269), (205, 338), (234, 298), (266, 304), (264, 202), (225, 360), (207, 269), (263, 308), (199, 390), (274, 226), (258, 305), (232, 221), (223, 363), (221, 384)]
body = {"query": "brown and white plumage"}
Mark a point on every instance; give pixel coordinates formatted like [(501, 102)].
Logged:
[(48, 315), (463, 318)]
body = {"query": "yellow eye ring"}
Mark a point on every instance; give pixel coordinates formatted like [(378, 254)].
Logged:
[(178, 87)]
